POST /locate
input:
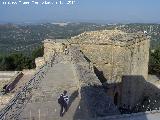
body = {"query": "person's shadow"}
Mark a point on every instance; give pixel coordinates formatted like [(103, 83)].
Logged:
[(72, 98)]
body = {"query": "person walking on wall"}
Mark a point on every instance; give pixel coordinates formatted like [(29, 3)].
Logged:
[(63, 100), (66, 50)]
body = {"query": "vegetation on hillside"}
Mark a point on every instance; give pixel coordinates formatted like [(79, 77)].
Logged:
[(19, 61), (18, 42), (16, 38), (25, 37), (154, 62)]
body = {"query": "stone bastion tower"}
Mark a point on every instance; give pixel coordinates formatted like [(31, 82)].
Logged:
[(120, 60)]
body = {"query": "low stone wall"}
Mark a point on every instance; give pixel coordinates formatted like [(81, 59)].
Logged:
[(29, 71), (13, 82), (96, 102), (18, 102), (39, 62), (7, 75)]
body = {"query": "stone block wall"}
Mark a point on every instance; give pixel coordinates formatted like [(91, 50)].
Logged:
[(106, 58), (115, 54), (52, 47), (7, 75), (116, 61), (132, 91), (39, 62), (139, 58), (112, 54), (95, 101)]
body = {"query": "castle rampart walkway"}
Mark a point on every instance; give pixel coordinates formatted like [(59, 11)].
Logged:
[(43, 104)]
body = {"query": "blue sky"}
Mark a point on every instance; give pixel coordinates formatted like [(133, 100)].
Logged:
[(109, 11)]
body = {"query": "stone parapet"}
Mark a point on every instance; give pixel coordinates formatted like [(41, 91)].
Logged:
[(115, 53), (108, 37), (95, 100)]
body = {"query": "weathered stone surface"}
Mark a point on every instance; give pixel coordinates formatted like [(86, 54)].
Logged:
[(120, 54), (115, 54), (112, 54), (52, 47), (39, 62), (104, 37), (91, 90)]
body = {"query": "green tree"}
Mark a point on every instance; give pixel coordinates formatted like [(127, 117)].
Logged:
[(154, 63), (7, 63), (38, 52), (35, 54), (19, 61)]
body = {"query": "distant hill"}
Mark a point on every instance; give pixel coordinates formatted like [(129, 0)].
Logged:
[(26, 37)]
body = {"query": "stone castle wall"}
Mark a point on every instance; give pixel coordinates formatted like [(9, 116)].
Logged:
[(39, 62), (95, 102), (52, 47), (115, 55), (133, 88), (116, 61)]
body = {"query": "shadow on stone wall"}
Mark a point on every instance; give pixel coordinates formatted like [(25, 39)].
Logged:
[(151, 98), (94, 103), (139, 95), (100, 75), (88, 60)]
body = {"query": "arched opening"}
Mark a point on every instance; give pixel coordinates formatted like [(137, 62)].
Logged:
[(116, 98)]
